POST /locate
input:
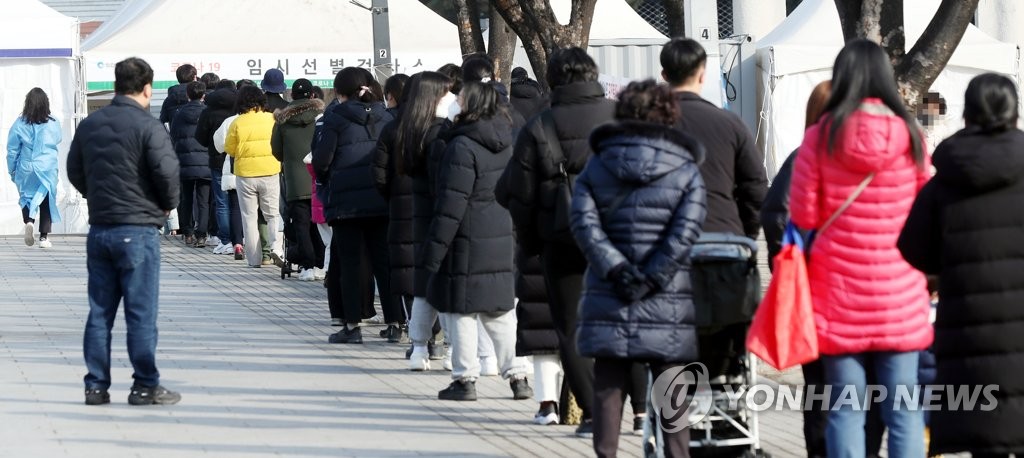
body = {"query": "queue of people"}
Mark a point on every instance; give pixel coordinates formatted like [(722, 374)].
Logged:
[(495, 226)]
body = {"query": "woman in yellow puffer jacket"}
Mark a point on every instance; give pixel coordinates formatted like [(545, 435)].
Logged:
[(259, 184)]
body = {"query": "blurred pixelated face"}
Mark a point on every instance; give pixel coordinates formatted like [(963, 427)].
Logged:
[(932, 109)]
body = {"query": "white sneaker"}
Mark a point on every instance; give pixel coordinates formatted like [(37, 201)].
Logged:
[(45, 243), (489, 366), (306, 275), (228, 249), (214, 240), (30, 230), (446, 363), (377, 319), (218, 249), (319, 273), (419, 360)]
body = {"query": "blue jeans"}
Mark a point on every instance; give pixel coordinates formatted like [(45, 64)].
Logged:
[(221, 209), (123, 262), (845, 431)]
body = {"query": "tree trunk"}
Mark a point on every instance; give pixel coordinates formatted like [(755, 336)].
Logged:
[(471, 38), (501, 46), (535, 23), (916, 72), (674, 16)]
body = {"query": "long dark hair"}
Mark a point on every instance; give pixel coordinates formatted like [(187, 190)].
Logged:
[(479, 101), (37, 107), (419, 109), (863, 70), (990, 103), (357, 84)]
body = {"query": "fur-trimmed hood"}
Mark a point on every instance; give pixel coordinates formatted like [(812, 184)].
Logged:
[(300, 112)]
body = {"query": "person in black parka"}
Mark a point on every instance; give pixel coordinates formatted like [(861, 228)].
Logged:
[(535, 329), (356, 212), (526, 95), (416, 140), (194, 211), (397, 191), (177, 95), (966, 226), (578, 106), (638, 208), (220, 104), (469, 245)]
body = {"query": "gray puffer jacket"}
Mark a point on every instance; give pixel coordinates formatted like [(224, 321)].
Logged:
[(640, 200)]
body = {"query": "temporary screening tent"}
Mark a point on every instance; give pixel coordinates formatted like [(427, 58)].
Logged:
[(237, 39), (800, 52), (39, 47)]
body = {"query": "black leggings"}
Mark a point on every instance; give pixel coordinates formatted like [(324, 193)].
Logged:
[(45, 223), (612, 380)]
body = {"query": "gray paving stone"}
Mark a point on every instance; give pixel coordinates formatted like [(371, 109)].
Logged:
[(249, 353)]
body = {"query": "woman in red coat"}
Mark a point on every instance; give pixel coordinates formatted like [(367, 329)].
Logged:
[(871, 307)]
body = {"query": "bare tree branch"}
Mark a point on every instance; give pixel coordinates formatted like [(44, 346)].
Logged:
[(916, 72)]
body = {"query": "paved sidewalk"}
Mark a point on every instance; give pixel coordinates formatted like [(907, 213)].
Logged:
[(248, 352)]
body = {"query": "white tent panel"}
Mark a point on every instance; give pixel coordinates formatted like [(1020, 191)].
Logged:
[(49, 46), (24, 23), (799, 54), (310, 39)]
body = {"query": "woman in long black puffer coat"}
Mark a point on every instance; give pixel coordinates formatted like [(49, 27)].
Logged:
[(397, 191), (535, 328), (638, 207), (469, 245), (966, 226)]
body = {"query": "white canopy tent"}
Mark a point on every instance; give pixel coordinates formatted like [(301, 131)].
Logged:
[(800, 52), (39, 47), (238, 39)]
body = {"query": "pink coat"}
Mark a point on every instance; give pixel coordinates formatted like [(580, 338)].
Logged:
[(318, 207), (866, 297)]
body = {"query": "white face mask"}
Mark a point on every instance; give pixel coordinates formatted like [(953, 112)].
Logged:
[(448, 107)]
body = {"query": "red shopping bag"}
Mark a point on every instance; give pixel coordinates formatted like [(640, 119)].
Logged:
[(782, 332)]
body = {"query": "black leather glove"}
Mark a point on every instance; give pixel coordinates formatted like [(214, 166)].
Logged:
[(628, 283)]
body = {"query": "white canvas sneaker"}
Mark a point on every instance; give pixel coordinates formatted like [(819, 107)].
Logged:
[(307, 275), (419, 360)]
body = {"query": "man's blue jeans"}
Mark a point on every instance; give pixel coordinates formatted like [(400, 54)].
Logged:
[(123, 263), (845, 431), (221, 209)]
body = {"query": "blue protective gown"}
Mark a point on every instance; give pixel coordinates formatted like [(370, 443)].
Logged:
[(32, 164)]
